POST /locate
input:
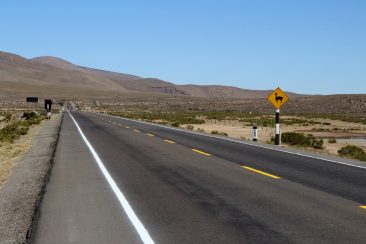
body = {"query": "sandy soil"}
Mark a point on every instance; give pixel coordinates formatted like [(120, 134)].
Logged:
[(344, 133)]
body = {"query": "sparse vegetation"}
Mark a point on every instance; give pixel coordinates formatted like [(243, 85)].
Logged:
[(14, 130), (299, 139), (332, 140), (215, 132), (218, 123), (190, 127), (353, 152), (6, 117), (175, 124)]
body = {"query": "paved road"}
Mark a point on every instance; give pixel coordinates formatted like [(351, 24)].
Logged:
[(188, 188)]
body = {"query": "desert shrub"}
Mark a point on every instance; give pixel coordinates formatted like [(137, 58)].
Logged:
[(190, 127), (7, 117), (29, 115), (200, 130), (175, 124), (332, 140), (353, 152), (326, 123), (215, 132), (14, 130), (299, 139), (23, 130), (317, 144)]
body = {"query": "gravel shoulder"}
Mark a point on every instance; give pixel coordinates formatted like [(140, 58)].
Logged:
[(21, 193)]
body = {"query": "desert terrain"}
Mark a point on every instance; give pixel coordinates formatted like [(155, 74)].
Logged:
[(338, 120)]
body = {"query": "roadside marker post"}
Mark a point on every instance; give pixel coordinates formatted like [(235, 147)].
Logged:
[(277, 98), (255, 132), (47, 107), (278, 131)]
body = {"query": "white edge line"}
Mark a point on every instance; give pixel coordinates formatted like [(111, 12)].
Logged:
[(144, 235), (240, 142)]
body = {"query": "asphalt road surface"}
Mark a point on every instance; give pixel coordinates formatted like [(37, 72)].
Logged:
[(120, 181)]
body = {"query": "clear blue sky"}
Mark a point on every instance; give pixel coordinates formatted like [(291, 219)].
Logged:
[(316, 47)]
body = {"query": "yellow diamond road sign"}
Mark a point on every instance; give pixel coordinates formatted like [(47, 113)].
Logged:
[(278, 98)]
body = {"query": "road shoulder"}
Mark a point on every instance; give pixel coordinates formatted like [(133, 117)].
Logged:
[(20, 195), (78, 205)]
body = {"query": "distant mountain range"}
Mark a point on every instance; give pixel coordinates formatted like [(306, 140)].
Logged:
[(42, 74)]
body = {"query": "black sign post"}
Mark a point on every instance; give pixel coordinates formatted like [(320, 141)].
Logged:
[(47, 104)]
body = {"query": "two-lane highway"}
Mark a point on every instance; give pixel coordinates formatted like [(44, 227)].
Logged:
[(188, 188)]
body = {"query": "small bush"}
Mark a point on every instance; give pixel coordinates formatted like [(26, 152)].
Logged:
[(175, 124), (7, 117), (23, 131), (332, 140), (215, 132), (200, 130), (190, 127), (317, 144), (29, 115), (353, 152), (299, 139), (326, 123)]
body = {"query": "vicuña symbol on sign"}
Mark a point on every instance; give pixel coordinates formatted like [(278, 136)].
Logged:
[(278, 98)]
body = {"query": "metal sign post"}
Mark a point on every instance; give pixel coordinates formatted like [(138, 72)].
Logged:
[(255, 132), (278, 98), (47, 106), (278, 131)]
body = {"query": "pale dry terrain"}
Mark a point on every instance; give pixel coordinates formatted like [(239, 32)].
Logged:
[(10, 153), (345, 133)]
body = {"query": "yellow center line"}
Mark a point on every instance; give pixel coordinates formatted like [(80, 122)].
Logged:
[(168, 141), (114, 122), (149, 134), (127, 127), (198, 151), (364, 207), (120, 124), (261, 172), (136, 130)]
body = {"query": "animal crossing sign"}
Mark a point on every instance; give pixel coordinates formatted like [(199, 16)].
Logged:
[(278, 98)]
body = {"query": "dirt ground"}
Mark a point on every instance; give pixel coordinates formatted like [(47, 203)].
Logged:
[(345, 133)]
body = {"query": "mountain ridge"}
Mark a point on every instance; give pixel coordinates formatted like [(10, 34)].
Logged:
[(56, 72)]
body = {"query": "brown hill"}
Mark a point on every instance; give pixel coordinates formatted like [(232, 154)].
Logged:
[(57, 76)]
